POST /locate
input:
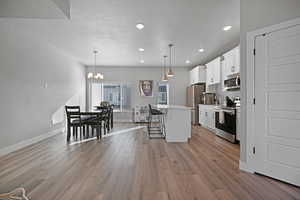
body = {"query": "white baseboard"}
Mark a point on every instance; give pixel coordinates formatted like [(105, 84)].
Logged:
[(25, 143), (245, 167), (123, 121)]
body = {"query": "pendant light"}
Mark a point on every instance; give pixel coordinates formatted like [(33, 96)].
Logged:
[(170, 72), (96, 76), (91, 74), (165, 77)]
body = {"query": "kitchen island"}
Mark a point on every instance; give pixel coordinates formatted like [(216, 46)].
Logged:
[(177, 122)]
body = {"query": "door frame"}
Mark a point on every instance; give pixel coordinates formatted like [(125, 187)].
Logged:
[(250, 163)]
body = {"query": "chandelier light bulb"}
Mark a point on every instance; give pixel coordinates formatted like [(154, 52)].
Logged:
[(90, 75)]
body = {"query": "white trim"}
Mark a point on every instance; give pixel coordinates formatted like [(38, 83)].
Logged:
[(250, 86), (110, 134), (25, 143), (244, 167)]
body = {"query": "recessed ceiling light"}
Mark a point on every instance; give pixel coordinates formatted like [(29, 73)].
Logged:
[(140, 26), (142, 61), (227, 28), (187, 62), (141, 49), (201, 50)]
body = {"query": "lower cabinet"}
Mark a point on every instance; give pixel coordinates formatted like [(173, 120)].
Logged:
[(207, 116)]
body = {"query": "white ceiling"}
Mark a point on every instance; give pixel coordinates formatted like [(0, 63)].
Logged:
[(46, 9), (109, 26)]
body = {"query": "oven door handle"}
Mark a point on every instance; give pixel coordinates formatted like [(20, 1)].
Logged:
[(226, 111)]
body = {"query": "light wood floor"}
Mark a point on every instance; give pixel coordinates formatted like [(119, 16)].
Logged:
[(132, 167)]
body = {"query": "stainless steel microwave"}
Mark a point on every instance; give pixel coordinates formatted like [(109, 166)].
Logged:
[(232, 83)]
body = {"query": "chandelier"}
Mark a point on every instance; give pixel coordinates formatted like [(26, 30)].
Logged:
[(98, 75)]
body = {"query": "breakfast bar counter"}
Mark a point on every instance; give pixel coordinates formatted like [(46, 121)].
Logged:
[(177, 122)]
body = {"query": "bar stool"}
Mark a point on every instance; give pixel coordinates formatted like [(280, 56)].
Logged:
[(156, 130)]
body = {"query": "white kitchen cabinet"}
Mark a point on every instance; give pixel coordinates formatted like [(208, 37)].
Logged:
[(231, 62), (193, 76), (211, 118), (213, 72), (201, 116), (202, 74), (198, 75), (207, 116)]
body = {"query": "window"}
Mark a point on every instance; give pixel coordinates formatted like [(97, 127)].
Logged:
[(115, 93), (112, 94), (163, 94)]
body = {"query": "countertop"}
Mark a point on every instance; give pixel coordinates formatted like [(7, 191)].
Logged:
[(221, 107), (174, 107)]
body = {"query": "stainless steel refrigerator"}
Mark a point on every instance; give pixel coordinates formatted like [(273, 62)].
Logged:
[(194, 98)]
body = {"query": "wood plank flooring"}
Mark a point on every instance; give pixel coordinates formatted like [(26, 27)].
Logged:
[(129, 166)]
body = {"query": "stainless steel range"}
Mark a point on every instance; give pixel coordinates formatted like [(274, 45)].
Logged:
[(226, 123)]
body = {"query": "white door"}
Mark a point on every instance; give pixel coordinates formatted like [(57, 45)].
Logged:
[(277, 108), (238, 124)]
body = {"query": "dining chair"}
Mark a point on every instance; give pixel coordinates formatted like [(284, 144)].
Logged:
[(105, 119), (74, 121), (105, 104), (107, 115), (110, 117), (97, 123)]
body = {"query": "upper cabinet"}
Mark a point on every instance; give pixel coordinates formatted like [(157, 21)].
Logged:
[(198, 75), (231, 62), (213, 72)]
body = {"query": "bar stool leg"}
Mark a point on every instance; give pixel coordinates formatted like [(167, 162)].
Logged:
[(164, 125), (149, 124)]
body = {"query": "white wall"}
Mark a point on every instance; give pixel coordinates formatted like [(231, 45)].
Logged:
[(132, 75), (257, 14), (36, 81)]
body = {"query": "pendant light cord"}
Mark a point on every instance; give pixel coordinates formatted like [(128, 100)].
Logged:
[(165, 65), (95, 60), (170, 66)]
